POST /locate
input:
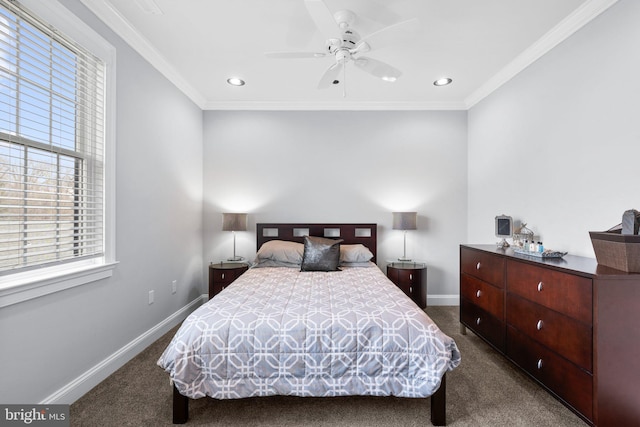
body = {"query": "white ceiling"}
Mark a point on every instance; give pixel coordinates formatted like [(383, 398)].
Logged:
[(480, 44)]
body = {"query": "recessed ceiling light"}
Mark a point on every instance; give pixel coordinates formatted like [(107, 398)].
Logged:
[(389, 78), (235, 81), (442, 82)]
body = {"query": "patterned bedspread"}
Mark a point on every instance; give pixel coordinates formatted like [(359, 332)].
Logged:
[(279, 331)]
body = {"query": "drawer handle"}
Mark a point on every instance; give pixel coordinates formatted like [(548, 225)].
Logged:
[(539, 325), (478, 293), (478, 321), (411, 289), (540, 286), (222, 275), (478, 265), (540, 363), (223, 287)]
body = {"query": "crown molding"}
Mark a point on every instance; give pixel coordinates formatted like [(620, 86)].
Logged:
[(104, 10), (572, 23), (332, 106)]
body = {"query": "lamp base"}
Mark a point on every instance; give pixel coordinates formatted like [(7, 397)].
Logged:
[(235, 258)]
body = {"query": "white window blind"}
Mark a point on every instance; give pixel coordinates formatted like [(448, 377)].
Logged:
[(51, 145)]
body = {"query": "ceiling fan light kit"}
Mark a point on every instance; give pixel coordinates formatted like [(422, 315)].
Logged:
[(345, 45)]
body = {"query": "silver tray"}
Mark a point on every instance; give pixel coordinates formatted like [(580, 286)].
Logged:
[(546, 254)]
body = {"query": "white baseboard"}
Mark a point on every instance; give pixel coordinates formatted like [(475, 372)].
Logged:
[(443, 299), (91, 378)]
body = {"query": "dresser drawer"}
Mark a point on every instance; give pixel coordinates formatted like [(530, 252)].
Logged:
[(562, 334), (225, 277), (406, 288), (483, 265), (409, 277), (482, 294), (569, 382), (482, 323), (566, 293)]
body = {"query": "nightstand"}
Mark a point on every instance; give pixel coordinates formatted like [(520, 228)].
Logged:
[(222, 274), (411, 277)]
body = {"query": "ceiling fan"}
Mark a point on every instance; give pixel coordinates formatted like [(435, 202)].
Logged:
[(346, 45)]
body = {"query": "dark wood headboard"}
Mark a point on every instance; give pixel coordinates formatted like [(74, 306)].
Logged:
[(351, 234)]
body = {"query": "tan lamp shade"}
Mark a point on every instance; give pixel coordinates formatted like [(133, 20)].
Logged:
[(234, 222), (405, 220)]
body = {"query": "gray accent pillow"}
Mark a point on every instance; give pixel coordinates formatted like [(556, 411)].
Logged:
[(320, 254)]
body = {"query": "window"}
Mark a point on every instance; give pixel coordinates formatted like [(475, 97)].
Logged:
[(52, 147)]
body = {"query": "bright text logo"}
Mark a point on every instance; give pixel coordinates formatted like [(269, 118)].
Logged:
[(36, 415)]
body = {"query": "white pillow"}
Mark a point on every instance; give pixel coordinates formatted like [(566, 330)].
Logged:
[(280, 252), (354, 253)]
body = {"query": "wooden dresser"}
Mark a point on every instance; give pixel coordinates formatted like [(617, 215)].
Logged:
[(569, 323)]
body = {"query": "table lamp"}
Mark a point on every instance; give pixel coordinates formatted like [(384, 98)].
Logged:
[(404, 221), (234, 222)]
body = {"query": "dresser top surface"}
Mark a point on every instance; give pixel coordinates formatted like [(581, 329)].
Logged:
[(571, 263)]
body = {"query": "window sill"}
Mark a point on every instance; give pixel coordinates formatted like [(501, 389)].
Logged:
[(18, 288)]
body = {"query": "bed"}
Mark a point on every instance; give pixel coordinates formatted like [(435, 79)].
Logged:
[(314, 316)]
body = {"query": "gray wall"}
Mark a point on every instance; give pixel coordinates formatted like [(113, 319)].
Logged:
[(50, 341), (558, 146), (342, 167)]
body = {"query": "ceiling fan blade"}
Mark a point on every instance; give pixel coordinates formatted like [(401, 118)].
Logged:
[(323, 18), (377, 68), (290, 55), (392, 34), (372, 10), (330, 75), (300, 29)]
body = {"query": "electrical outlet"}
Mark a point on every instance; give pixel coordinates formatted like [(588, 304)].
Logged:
[(151, 294), (174, 286)]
